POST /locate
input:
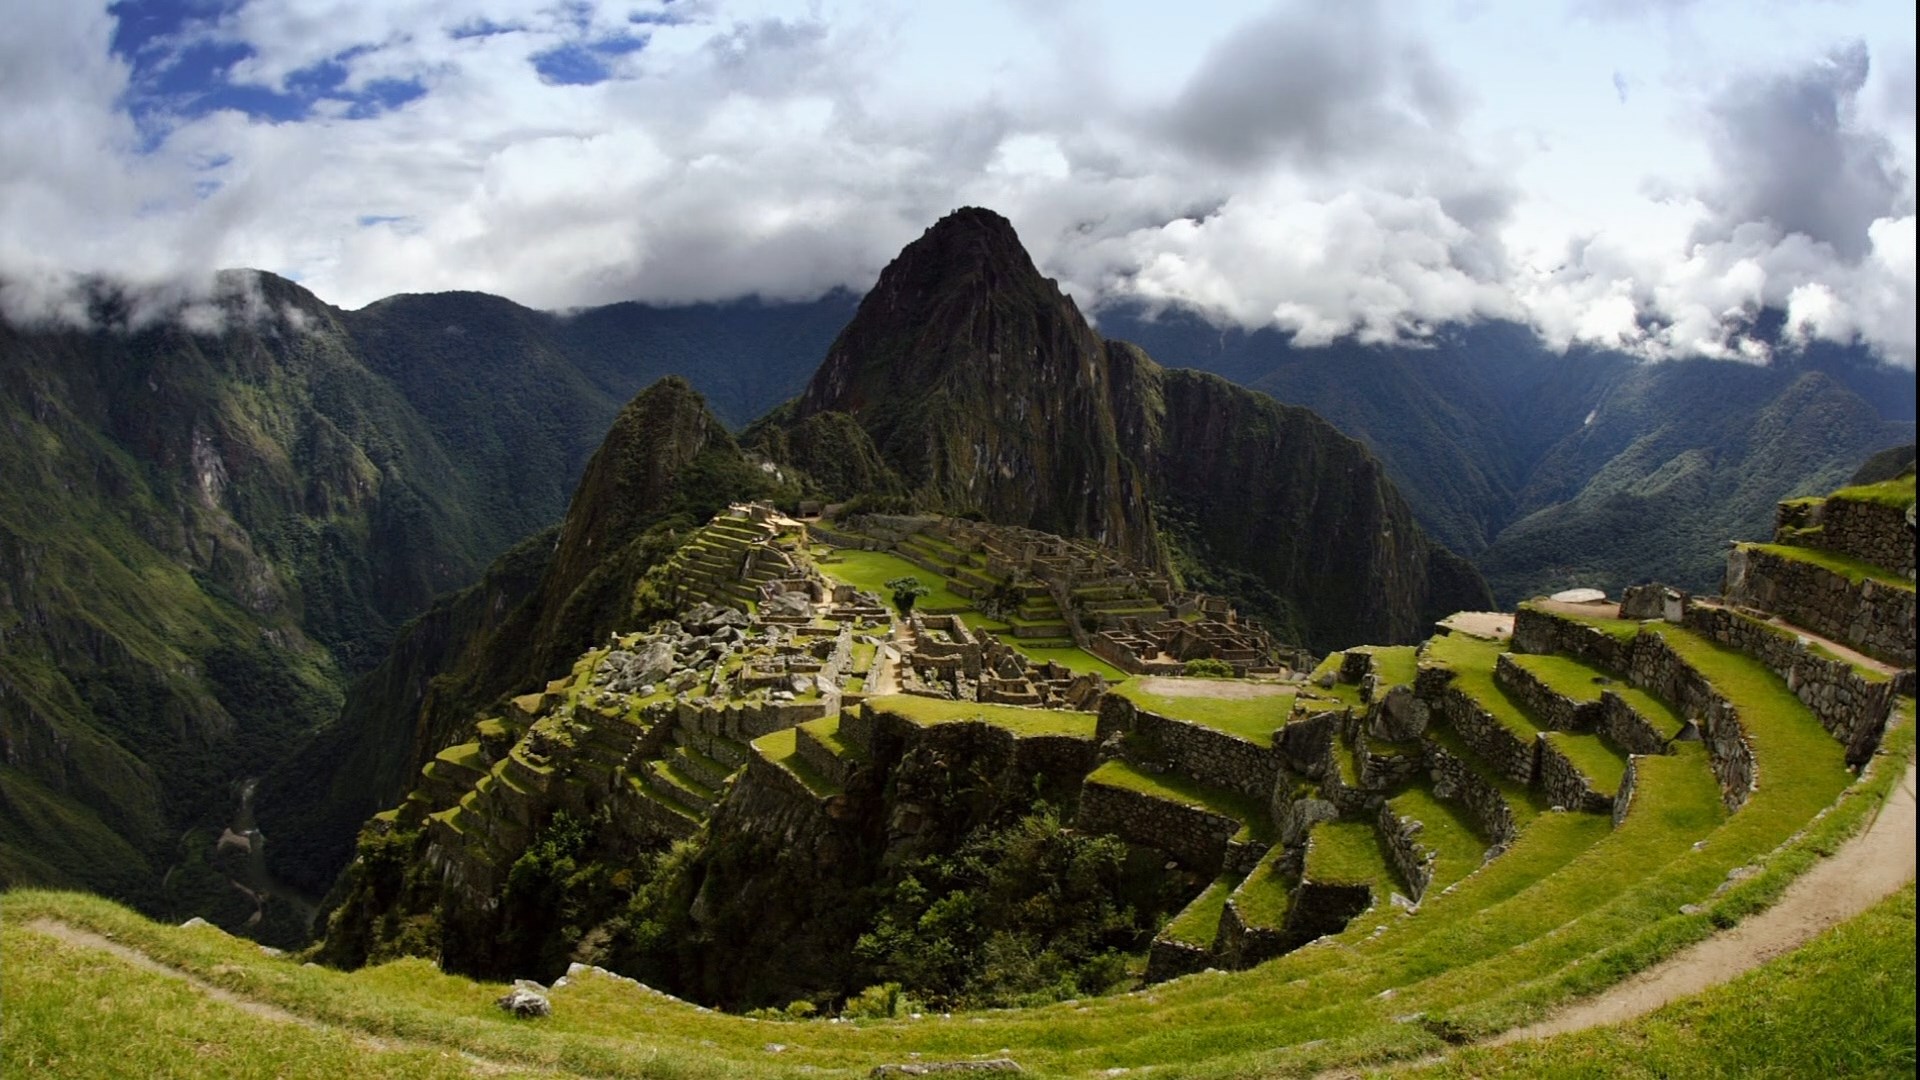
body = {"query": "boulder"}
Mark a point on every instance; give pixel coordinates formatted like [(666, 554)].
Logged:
[(1401, 716), (1642, 602), (527, 1000)]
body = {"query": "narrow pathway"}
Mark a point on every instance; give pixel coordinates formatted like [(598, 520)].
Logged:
[(1865, 870), (87, 939)]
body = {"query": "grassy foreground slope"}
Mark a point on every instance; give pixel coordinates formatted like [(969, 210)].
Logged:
[(1500, 950)]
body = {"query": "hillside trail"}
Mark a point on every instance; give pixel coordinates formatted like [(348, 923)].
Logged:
[(69, 934), (1865, 870)]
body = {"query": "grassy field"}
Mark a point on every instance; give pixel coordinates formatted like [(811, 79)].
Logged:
[(871, 570), (1071, 656), (1842, 1006), (1252, 718), (926, 711)]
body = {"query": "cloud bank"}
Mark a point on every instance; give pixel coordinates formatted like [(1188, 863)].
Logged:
[(1329, 169)]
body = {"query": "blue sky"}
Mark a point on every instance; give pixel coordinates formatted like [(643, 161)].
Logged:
[(1637, 173)]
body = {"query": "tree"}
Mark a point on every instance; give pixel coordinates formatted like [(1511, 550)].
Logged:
[(905, 591), (1208, 667)]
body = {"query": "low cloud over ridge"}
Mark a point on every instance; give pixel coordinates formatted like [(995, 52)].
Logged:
[(1332, 170)]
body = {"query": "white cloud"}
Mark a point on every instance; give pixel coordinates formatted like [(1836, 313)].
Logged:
[(1350, 169)]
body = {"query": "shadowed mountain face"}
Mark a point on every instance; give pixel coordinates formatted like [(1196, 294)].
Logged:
[(1551, 470), (984, 388)]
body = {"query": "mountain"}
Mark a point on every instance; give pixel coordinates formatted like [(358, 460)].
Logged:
[(211, 526), (666, 466), (965, 383), (985, 390), (201, 534), (1517, 457)]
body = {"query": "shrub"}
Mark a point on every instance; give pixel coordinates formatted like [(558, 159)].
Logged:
[(1208, 668)]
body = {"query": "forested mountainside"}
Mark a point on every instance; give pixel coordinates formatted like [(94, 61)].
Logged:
[(211, 526), (1516, 456)]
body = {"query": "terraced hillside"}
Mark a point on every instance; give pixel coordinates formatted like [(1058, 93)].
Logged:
[(1410, 850)]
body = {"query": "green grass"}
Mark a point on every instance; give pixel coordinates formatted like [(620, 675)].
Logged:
[(1458, 848), (1857, 571), (871, 570), (1571, 908), (78, 1011), (827, 731), (1262, 899), (779, 749), (1395, 665), (1576, 680), (1472, 660), (1251, 813), (1895, 492), (1079, 660), (1199, 922), (927, 711), (1349, 853), (1254, 719), (1841, 1006)]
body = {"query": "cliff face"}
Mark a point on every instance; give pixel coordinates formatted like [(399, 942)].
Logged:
[(980, 383)]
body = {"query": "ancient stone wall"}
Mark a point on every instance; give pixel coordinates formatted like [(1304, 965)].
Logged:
[(1565, 785), (1629, 784), (1512, 755), (1851, 706), (1873, 616), (1874, 532), (1456, 781), (1319, 909), (1171, 959), (1626, 726), (1243, 946), (1410, 857), (1192, 835), (1536, 631), (1193, 750), (1553, 709), (1662, 672)]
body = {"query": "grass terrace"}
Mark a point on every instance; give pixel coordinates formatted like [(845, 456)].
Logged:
[(1395, 665), (1256, 824), (1445, 830), (1857, 571), (1349, 853), (1572, 907), (1252, 718), (927, 711), (1842, 1006), (1078, 660), (827, 731), (1262, 899), (1898, 491), (1472, 660), (1199, 922), (871, 570), (779, 749), (1583, 683)]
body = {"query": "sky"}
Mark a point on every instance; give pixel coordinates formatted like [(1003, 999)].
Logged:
[(1636, 174)]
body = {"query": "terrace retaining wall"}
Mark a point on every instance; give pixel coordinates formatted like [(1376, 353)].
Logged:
[(1873, 616)]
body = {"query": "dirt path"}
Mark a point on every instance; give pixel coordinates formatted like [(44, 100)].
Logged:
[(1864, 871), (87, 939)]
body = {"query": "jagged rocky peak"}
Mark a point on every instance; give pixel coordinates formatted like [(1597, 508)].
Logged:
[(983, 387)]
